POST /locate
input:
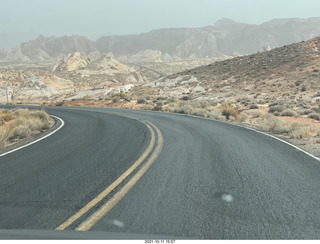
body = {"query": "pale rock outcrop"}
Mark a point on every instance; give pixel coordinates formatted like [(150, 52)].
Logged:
[(108, 65), (72, 62)]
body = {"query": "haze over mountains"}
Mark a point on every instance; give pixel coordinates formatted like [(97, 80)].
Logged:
[(225, 37)]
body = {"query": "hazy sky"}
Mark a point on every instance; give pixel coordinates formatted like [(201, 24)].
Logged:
[(94, 18)]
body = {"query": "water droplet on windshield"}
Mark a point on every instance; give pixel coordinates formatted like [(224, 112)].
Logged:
[(227, 197), (224, 196), (118, 223)]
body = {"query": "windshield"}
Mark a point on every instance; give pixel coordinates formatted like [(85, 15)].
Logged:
[(160, 120)]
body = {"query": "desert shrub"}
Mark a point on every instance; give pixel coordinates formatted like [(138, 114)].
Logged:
[(203, 103), (6, 116), (43, 117), (121, 95), (157, 107), (276, 108), (40, 114), (243, 117), (148, 107), (301, 130), (61, 103), (22, 112), (261, 101), (316, 109), (289, 113), (304, 111), (185, 98), (199, 112), (173, 99), (24, 124), (314, 116), (273, 104), (182, 108), (161, 98), (228, 111), (254, 113), (316, 95), (213, 103), (271, 123), (189, 107), (254, 106), (115, 99), (141, 101), (303, 89), (215, 115), (298, 83), (300, 133)]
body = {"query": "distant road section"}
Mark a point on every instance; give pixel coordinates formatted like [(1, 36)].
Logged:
[(207, 179)]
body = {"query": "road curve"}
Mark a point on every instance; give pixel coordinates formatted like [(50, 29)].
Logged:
[(209, 180)]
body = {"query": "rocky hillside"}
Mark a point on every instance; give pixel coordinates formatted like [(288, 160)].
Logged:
[(290, 72), (225, 37)]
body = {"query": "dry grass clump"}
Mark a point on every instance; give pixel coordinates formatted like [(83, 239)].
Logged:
[(22, 124), (253, 113), (272, 124), (192, 107), (229, 111), (5, 116), (289, 113), (226, 110), (147, 107), (254, 106), (302, 130), (304, 111), (122, 95), (315, 116), (141, 101), (215, 115)]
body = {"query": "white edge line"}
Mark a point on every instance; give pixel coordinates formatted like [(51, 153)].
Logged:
[(261, 132), (16, 149), (241, 126), (279, 139), (227, 122)]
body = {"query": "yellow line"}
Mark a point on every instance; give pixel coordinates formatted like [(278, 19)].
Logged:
[(102, 211), (103, 194)]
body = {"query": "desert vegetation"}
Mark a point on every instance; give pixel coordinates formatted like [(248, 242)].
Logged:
[(17, 124), (277, 118)]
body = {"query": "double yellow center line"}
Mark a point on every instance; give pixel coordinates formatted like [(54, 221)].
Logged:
[(104, 209)]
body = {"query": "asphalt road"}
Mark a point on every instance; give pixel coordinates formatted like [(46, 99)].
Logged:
[(207, 179)]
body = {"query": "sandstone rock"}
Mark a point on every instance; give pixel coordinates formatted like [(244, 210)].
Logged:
[(72, 62)]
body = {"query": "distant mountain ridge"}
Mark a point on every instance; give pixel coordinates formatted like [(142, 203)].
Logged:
[(225, 37)]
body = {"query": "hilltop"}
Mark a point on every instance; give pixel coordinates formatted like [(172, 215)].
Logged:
[(224, 38), (290, 71)]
